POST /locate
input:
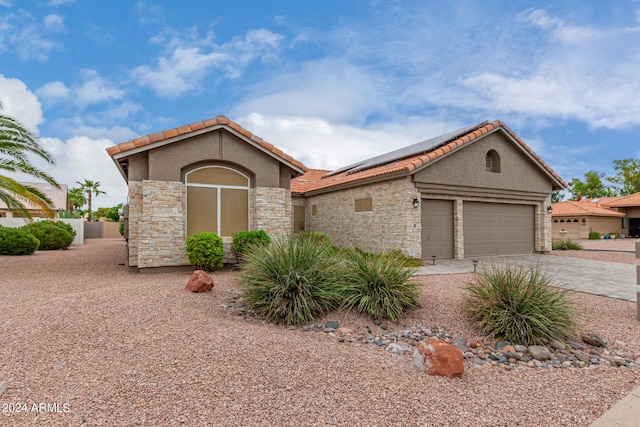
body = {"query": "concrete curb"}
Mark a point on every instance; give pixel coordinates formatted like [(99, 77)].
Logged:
[(3, 387), (623, 414)]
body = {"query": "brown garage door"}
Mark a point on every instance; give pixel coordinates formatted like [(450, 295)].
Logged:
[(498, 229), (437, 228)]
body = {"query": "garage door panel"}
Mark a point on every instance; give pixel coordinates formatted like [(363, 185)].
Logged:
[(437, 228), (498, 229)]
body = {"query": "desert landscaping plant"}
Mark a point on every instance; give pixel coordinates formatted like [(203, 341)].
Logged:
[(378, 285), (205, 251), (520, 304), (17, 241), (319, 237), (291, 281), (243, 240), (53, 235), (565, 245)]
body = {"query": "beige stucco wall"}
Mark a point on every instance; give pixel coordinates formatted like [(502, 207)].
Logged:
[(393, 222), (168, 162), (464, 172)]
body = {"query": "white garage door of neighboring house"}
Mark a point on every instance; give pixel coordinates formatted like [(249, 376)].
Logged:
[(437, 229), (498, 229)]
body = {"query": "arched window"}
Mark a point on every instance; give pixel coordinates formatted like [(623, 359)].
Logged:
[(493, 161), (217, 200)]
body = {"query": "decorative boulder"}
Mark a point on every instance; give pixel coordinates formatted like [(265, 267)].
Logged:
[(439, 358), (593, 339), (199, 282)]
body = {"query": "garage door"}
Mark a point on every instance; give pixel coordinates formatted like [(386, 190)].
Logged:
[(437, 228), (498, 229)]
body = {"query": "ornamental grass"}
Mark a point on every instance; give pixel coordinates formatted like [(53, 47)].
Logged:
[(377, 285), (519, 304), (291, 281)]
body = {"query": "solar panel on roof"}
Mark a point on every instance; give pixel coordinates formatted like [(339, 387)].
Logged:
[(411, 150)]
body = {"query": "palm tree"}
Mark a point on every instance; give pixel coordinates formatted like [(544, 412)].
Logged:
[(16, 143), (76, 198), (91, 188)]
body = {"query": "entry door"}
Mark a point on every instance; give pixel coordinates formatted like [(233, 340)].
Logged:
[(634, 227), (437, 229)]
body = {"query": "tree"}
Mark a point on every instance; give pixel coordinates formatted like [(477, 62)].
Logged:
[(557, 196), (76, 198), (591, 187), (16, 143), (628, 176), (90, 188)]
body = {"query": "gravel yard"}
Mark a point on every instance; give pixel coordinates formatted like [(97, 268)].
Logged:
[(99, 346)]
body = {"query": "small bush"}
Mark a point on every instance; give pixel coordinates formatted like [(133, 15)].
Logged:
[(405, 260), (243, 240), (17, 241), (291, 281), (565, 245), (378, 284), (594, 235), (520, 305), (205, 251), (53, 235)]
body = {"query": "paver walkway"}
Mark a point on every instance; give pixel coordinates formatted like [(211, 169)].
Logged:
[(611, 279)]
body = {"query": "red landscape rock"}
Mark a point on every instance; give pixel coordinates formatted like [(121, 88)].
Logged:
[(439, 358), (199, 282)]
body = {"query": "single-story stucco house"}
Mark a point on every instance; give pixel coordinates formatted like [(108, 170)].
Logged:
[(477, 191), (574, 219)]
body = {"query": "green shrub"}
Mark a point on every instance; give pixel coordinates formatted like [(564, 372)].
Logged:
[(205, 251), (520, 305), (594, 235), (245, 239), (291, 281), (565, 245), (378, 285), (405, 260), (53, 235), (17, 241)]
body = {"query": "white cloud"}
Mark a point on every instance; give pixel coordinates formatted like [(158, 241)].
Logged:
[(29, 38), (587, 74), (5, 3), (189, 61), (20, 103), (80, 158), (93, 89), (53, 92), (53, 22), (321, 144)]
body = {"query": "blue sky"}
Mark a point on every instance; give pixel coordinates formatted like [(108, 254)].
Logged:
[(329, 82)]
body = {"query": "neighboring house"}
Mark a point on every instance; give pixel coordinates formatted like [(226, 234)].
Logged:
[(576, 218), (58, 198), (474, 192)]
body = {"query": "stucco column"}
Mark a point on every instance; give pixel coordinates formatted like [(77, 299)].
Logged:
[(458, 229)]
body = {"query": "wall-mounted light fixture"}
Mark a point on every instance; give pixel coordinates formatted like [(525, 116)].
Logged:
[(549, 209), (416, 203)]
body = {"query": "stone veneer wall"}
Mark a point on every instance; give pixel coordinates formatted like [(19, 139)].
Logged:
[(272, 211), (161, 232), (135, 219), (393, 222)]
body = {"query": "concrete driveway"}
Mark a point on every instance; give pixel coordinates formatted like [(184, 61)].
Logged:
[(611, 279)]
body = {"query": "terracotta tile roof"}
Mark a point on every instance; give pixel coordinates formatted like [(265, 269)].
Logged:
[(193, 127), (582, 208), (409, 164), (622, 201)]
